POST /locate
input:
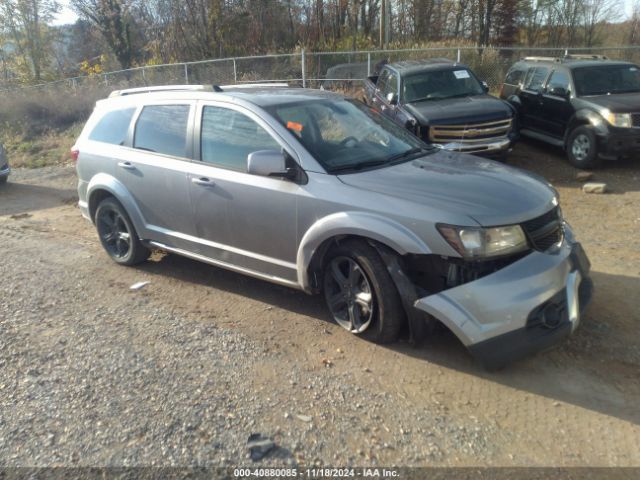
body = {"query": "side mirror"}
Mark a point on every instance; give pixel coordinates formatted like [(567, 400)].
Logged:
[(267, 163), (392, 98), (485, 86)]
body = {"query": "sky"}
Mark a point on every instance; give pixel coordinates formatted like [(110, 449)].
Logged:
[(67, 16)]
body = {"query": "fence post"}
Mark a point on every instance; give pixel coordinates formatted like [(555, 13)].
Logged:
[(144, 77), (368, 64), (458, 56), (235, 72), (186, 74), (304, 72), (106, 81)]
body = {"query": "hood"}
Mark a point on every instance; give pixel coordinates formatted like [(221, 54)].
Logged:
[(617, 103), (474, 109), (488, 192)]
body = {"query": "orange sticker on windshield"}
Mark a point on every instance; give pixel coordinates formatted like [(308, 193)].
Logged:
[(295, 126)]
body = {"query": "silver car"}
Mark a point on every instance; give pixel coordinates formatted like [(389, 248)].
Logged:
[(4, 166), (317, 192)]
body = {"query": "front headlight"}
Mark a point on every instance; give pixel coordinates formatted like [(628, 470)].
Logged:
[(477, 242), (622, 120)]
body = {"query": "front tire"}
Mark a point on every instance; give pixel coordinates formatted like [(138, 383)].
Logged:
[(360, 293), (117, 234), (582, 148)]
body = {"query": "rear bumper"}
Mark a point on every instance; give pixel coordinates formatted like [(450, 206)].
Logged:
[(525, 307), (618, 144)]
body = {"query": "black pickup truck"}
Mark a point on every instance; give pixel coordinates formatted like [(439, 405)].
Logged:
[(444, 103)]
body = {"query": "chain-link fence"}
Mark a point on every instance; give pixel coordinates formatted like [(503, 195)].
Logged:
[(33, 109), (316, 69)]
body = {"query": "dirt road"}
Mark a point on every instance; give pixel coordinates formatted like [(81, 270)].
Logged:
[(182, 371)]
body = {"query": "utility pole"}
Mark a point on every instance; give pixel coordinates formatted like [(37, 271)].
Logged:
[(383, 23), (385, 14)]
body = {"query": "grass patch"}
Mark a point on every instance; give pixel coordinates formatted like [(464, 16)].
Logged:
[(39, 127), (49, 148)]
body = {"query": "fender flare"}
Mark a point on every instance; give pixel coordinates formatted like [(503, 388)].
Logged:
[(108, 183), (586, 117), (363, 224)]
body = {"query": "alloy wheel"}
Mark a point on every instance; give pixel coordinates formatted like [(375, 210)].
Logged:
[(581, 146), (113, 230), (349, 294)]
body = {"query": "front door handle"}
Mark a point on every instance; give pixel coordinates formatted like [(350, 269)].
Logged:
[(203, 182), (127, 165)]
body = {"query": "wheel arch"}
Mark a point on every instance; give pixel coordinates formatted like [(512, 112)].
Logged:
[(103, 186), (588, 118), (336, 228)]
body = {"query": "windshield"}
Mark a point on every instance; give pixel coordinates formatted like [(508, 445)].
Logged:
[(346, 135), (440, 85), (603, 80)]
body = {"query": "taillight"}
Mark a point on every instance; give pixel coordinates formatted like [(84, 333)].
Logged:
[(75, 153)]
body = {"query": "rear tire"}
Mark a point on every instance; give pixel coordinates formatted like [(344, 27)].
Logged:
[(582, 148), (117, 234), (360, 293), (3, 180)]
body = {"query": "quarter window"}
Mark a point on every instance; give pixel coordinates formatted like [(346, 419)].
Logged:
[(229, 136), (535, 78), (163, 129), (113, 127)]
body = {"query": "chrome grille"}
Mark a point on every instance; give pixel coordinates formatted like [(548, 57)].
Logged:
[(471, 133), (545, 231)]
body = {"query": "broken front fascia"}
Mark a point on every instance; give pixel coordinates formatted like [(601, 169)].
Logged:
[(502, 302)]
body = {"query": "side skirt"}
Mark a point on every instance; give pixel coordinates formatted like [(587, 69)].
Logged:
[(225, 265)]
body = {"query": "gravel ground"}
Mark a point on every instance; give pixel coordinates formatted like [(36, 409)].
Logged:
[(184, 370)]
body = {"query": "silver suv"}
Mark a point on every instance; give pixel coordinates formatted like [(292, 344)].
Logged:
[(315, 191), (4, 166)]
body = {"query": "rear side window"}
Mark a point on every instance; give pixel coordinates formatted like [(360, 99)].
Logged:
[(514, 77), (535, 78), (113, 127), (163, 129), (228, 137)]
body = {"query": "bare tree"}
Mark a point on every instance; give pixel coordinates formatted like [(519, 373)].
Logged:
[(113, 19), (633, 37), (596, 13)]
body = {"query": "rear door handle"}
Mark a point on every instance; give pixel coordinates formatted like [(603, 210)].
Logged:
[(127, 165), (203, 182)]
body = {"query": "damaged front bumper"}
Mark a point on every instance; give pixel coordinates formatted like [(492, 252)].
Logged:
[(522, 308)]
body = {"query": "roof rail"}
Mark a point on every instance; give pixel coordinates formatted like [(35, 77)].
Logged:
[(585, 56), (164, 88), (222, 88), (541, 59)]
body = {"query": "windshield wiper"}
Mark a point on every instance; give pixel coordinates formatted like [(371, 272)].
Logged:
[(377, 163), (408, 153), (358, 165), (426, 99)]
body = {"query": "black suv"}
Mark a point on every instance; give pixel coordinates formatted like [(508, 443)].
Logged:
[(588, 105)]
